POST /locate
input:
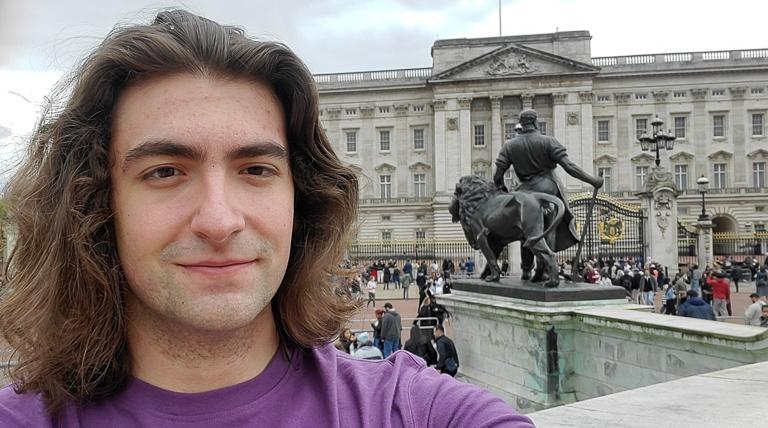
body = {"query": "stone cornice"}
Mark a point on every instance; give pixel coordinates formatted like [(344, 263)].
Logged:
[(496, 101), (758, 154), (622, 97), (438, 104), (366, 110), (681, 156), (333, 112), (605, 160), (401, 109), (464, 102), (559, 97), (738, 92), (586, 97), (642, 158), (385, 167), (660, 96), (419, 166), (720, 154), (699, 93)]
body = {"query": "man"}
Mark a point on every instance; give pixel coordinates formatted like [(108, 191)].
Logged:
[(649, 288), (695, 307), (447, 358), (764, 317), (534, 158), (371, 288), (157, 214), (721, 293), (736, 273), (754, 311), (391, 327)]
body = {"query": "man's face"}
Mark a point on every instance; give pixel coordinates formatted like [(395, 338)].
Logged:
[(203, 199), (765, 311)]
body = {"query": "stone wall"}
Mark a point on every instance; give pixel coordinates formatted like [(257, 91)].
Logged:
[(537, 357)]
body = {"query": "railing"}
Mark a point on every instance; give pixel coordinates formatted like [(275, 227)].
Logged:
[(414, 249), (374, 76), (679, 57), (388, 201), (740, 244)]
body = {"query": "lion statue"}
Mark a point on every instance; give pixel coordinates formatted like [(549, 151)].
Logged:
[(491, 219)]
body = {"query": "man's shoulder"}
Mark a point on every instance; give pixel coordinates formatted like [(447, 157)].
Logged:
[(21, 410)]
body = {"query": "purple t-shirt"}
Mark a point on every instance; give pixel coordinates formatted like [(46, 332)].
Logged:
[(321, 387)]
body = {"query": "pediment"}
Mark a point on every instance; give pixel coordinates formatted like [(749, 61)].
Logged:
[(355, 168), (419, 166), (643, 157), (721, 154), (514, 61), (758, 154), (481, 162), (605, 159), (681, 157), (385, 167)]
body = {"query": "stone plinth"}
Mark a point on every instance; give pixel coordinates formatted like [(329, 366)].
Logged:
[(538, 355), (705, 251), (514, 288)]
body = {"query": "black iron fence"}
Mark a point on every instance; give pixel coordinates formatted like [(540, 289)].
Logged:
[(740, 245), (687, 245)]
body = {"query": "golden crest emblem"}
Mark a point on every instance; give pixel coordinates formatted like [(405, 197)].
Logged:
[(610, 230)]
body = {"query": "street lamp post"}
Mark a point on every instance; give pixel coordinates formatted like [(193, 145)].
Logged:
[(658, 139), (703, 183)]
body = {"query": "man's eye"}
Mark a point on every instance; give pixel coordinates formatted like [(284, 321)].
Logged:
[(164, 172), (257, 170)]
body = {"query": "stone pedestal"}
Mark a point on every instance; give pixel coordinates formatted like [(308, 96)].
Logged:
[(660, 197), (515, 288), (706, 256)]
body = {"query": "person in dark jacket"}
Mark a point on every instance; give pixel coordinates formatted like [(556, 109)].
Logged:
[(391, 325), (696, 307), (447, 358), (419, 344)]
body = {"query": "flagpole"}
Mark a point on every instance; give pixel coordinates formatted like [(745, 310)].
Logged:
[(499, 18)]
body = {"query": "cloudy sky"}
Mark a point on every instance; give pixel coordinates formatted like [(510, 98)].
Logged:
[(39, 39)]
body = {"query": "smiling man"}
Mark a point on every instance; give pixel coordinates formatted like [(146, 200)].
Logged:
[(176, 216)]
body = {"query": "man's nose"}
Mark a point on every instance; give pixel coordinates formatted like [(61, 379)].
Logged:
[(218, 216)]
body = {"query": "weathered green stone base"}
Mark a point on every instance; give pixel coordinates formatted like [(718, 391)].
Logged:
[(538, 356)]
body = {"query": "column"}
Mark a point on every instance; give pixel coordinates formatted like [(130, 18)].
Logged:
[(738, 134), (527, 100), (559, 126), (439, 148), (705, 252), (701, 132), (497, 131), (398, 140), (624, 137), (466, 133), (661, 200), (587, 141)]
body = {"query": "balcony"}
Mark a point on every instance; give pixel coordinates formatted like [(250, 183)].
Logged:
[(681, 60), (393, 201)]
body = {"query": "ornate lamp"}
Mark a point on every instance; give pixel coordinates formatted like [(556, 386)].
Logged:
[(659, 140), (703, 184)]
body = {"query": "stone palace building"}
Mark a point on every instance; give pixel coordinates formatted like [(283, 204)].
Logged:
[(412, 133)]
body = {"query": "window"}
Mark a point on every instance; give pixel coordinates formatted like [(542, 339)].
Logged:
[(385, 186), (509, 131), (386, 235), (603, 130), (420, 217), (351, 141), (718, 125), (386, 218), (384, 141), (759, 227), (758, 174), (603, 98), (760, 209), (681, 123), (641, 174), (681, 177), (641, 96), (605, 172), (543, 128), (679, 94), (718, 92), (421, 234), (350, 111), (418, 108), (756, 91), (758, 124), (641, 127), (420, 185), (719, 176), (418, 138), (479, 135), (383, 109)]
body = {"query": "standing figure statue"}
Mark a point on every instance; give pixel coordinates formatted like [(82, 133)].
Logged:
[(534, 158)]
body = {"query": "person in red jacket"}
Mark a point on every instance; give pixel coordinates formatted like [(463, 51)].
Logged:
[(721, 293)]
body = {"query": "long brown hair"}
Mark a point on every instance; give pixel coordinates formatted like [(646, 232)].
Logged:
[(62, 308)]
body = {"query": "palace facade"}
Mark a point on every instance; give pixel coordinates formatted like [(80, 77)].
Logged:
[(412, 133)]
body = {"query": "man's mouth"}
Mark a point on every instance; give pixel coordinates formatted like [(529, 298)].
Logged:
[(217, 267)]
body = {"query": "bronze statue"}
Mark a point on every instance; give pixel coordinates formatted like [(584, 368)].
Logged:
[(491, 219), (534, 158)]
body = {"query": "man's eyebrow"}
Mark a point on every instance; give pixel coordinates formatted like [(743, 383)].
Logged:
[(256, 149), (160, 148)]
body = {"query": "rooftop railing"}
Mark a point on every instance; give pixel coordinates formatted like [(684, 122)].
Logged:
[(681, 57), (373, 76)]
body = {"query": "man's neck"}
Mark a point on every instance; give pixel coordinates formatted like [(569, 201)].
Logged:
[(180, 359)]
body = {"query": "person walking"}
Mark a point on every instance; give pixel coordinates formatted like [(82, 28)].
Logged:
[(447, 358), (649, 288), (736, 273), (371, 287), (755, 310), (696, 277), (761, 282), (391, 326), (721, 293)]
